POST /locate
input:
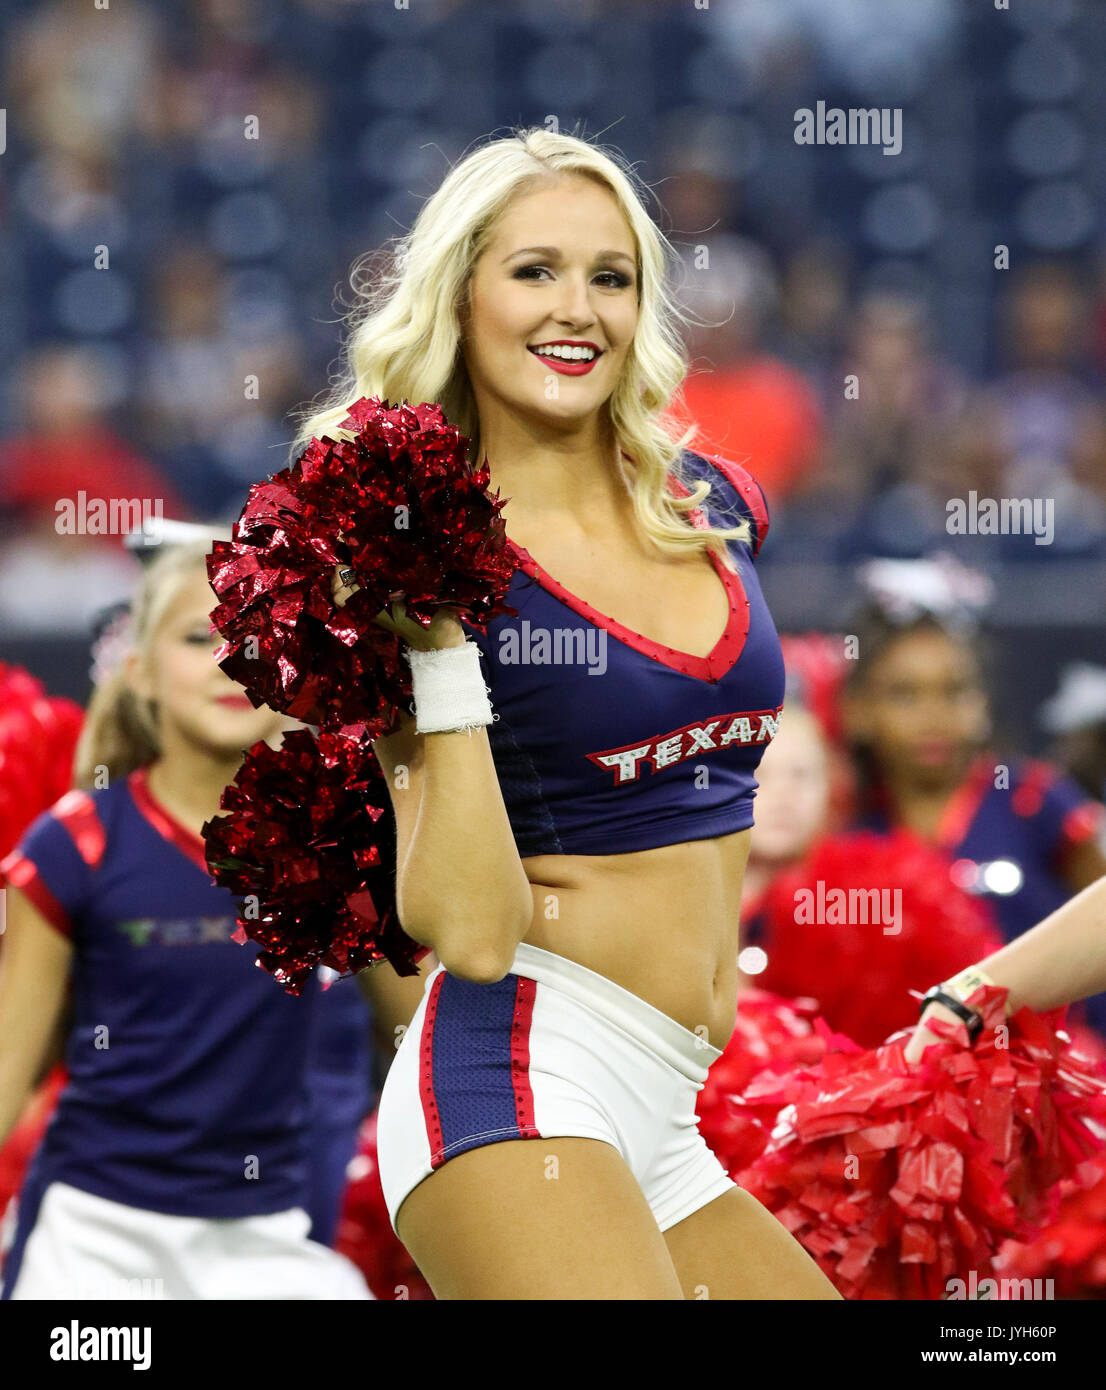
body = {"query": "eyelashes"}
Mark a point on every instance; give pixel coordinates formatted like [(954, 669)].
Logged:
[(621, 281)]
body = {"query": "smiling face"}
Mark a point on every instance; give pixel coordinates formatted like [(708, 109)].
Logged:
[(196, 701), (559, 269)]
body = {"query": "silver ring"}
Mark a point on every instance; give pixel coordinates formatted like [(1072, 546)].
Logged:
[(346, 576)]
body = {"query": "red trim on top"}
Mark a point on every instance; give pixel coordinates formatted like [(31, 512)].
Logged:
[(751, 492), (76, 810), (1028, 798), (430, 1114), (525, 992), (167, 826), (963, 806), (712, 667), (22, 873)]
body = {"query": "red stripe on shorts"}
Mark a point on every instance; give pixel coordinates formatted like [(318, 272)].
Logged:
[(426, 1076), (520, 1057)]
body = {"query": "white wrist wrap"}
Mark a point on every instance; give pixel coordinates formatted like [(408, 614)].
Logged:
[(449, 690)]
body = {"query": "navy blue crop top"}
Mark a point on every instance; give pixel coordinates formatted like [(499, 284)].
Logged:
[(606, 742)]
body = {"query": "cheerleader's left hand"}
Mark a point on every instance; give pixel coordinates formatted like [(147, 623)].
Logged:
[(922, 1038)]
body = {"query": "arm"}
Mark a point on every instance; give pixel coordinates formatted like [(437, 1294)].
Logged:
[(34, 971), (1058, 961), (460, 885)]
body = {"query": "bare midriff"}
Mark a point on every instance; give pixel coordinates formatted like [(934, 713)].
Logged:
[(662, 923)]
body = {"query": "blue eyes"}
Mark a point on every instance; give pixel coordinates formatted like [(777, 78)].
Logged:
[(620, 281)]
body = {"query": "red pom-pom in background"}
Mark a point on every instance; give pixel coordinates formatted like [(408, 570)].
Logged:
[(861, 974)]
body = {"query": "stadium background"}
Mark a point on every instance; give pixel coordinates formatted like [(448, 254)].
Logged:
[(230, 257)]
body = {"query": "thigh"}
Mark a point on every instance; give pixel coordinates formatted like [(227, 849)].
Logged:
[(537, 1219), (734, 1248)]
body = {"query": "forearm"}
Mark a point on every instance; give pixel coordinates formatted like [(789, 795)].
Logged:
[(16, 1087), (461, 887), (1060, 960)]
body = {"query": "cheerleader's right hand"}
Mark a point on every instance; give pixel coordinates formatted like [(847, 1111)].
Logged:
[(445, 628)]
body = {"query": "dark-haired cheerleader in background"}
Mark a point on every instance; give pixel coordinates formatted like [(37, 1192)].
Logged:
[(1017, 831)]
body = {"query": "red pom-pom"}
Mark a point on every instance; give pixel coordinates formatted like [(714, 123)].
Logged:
[(899, 1178), (38, 737), (1071, 1250), (365, 1233), (400, 505), (771, 1038), (288, 642), (1069, 1255), (312, 841), (417, 518), (825, 932)]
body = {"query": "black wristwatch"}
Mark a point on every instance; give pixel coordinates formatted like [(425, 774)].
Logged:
[(972, 1019)]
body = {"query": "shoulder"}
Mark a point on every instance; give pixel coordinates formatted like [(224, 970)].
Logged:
[(56, 859), (734, 491), (76, 827), (1044, 793)]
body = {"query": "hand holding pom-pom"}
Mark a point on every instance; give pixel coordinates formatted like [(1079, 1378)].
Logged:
[(357, 547), (898, 1177)]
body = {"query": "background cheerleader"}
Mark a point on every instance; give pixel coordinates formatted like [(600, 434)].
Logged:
[(178, 1155), (917, 712)]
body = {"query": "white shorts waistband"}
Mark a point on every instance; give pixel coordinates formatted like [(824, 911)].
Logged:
[(678, 1046)]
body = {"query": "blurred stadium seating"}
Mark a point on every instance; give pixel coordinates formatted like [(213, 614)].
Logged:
[(229, 258)]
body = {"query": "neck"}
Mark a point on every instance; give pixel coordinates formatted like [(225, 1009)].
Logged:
[(919, 806), (188, 781), (578, 473)]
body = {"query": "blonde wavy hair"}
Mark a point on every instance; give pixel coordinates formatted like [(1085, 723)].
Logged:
[(403, 338)]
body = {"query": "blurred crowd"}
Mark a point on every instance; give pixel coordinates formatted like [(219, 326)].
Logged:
[(186, 185), (173, 284)]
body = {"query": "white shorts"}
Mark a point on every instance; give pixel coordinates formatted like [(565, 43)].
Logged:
[(552, 1049), (86, 1247)]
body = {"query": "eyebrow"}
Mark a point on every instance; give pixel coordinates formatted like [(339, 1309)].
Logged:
[(553, 253)]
